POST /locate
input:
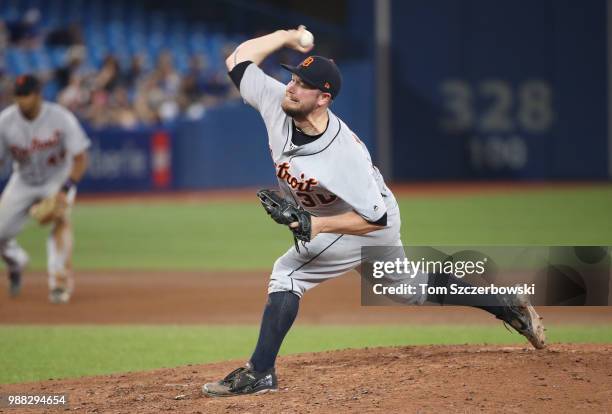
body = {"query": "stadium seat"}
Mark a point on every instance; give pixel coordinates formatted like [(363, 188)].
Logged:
[(125, 28)]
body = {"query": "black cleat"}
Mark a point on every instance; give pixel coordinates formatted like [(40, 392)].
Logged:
[(242, 381), (521, 315), (15, 263), (14, 283)]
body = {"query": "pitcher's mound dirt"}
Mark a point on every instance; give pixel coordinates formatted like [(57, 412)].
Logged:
[(427, 379)]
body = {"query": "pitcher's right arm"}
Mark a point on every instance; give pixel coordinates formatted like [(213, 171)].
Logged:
[(257, 49)]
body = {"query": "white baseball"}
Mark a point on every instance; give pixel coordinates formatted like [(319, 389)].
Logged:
[(306, 39)]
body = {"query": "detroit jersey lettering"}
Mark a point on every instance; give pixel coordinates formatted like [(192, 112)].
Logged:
[(345, 178), (42, 148)]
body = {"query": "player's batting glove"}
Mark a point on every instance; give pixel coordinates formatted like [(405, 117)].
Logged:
[(284, 212)]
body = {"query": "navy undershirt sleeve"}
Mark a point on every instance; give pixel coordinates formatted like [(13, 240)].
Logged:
[(237, 72), (381, 221)]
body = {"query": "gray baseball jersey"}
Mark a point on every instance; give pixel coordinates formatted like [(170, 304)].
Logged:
[(43, 148), (42, 151), (329, 176)]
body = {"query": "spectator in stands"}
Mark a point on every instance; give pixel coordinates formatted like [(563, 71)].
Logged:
[(193, 84), (108, 77), (197, 70), (108, 96), (134, 74), (4, 41), (147, 100), (216, 84), (26, 32), (4, 36), (97, 113), (73, 66), (75, 96), (168, 78), (6, 87), (168, 82), (65, 36), (121, 110)]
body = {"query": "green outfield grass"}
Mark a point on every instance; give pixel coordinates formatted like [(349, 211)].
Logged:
[(239, 235), (31, 353)]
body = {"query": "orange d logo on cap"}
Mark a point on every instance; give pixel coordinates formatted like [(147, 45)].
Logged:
[(307, 61), (319, 72)]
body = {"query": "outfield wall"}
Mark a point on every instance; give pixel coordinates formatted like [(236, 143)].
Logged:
[(513, 90)]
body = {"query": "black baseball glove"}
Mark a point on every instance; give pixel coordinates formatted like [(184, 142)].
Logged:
[(285, 212)]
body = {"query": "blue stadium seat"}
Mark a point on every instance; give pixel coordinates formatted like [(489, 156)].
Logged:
[(58, 56), (16, 61), (125, 28), (39, 60), (74, 11), (11, 14), (181, 59), (50, 90)]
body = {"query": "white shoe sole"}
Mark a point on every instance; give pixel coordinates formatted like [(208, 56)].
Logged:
[(207, 393)]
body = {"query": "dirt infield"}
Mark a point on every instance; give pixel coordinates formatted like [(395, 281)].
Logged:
[(111, 297), (424, 379)]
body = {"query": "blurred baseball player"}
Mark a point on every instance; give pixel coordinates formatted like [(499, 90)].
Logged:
[(323, 167), (48, 149)]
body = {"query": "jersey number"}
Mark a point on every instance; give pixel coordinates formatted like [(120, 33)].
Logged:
[(53, 160), (308, 200)]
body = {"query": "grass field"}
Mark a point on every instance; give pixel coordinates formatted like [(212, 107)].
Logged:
[(238, 235), (38, 353)]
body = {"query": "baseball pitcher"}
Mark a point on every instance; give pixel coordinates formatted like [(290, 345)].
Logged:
[(48, 149), (331, 196)]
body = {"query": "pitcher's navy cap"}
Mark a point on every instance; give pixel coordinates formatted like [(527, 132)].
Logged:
[(319, 72)]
